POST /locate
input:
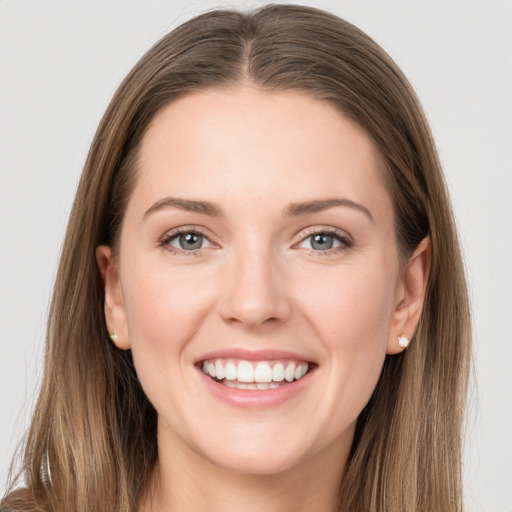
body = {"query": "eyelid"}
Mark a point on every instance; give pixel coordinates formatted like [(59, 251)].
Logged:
[(171, 234), (342, 236)]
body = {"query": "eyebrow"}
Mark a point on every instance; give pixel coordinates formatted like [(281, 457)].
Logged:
[(319, 205), (203, 207), (292, 210)]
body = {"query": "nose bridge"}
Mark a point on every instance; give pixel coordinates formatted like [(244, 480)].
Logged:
[(254, 291)]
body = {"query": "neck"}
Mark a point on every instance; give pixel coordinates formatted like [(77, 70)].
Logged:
[(184, 480)]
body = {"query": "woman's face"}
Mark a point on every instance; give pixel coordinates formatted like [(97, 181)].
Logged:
[(258, 244)]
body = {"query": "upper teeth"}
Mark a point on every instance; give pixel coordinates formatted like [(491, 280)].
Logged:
[(255, 371)]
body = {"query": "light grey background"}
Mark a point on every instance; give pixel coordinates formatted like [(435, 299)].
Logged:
[(60, 62)]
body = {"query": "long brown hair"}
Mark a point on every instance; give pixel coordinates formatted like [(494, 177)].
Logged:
[(92, 419)]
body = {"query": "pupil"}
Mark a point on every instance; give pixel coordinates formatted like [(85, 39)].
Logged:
[(190, 241), (322, 242)]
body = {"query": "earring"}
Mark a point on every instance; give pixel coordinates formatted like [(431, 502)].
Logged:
[(113, 337), (403, 341)]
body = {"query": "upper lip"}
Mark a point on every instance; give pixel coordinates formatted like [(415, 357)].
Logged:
[(252, 355)]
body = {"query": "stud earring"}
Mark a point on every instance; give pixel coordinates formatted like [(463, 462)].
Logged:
[(113, 337), (403, 341)]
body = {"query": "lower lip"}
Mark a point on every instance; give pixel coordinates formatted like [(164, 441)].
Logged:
[(255, 398)]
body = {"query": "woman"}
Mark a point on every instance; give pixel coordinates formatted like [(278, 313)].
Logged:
[(260, 300)]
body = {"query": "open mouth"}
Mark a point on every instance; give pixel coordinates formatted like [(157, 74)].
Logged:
[(255, 375)]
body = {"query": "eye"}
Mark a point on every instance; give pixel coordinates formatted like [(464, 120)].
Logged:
[(325, 241), (187, 241)]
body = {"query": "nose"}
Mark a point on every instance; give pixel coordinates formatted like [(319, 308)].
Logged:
[(254, 292)]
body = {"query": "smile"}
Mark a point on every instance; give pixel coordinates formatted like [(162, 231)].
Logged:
[(254, 375)]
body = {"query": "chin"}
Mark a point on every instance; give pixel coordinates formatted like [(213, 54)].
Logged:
[(255, 463), (257, 449)]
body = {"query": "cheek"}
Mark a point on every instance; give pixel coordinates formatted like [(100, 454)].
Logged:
[(352, 306), (351, 312), (164, 309), (163, 306)]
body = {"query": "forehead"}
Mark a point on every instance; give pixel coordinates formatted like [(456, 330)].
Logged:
[(246, 143)]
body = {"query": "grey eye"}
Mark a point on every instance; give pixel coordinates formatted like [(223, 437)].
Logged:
[(321, 242), (189, 241)]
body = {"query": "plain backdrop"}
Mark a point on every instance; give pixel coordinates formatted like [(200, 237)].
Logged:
[(61, 61)]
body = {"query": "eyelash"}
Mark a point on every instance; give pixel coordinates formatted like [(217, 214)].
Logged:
[(184, 230), (345, 241)]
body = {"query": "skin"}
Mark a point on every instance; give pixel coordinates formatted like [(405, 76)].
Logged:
[(255, 284)]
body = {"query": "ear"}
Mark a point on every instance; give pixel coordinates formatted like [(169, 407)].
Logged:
[(410, 296), (115, 313)]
